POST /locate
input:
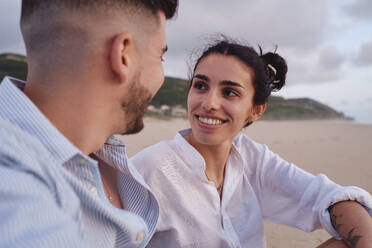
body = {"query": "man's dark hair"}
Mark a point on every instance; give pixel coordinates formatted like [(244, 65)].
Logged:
[(169, 7)]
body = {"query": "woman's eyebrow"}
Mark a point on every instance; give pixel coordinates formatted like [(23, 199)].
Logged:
[(231, 83), (223, 83), (202, 77)]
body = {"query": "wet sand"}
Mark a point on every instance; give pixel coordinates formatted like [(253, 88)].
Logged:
[(341, 150)]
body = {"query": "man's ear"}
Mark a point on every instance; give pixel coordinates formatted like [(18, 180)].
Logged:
[(257, 112), (121, 55)]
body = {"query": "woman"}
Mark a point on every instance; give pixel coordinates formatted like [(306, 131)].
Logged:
[(215, 186)]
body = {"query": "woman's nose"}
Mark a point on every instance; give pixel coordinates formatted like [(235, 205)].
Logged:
[(211, 101)]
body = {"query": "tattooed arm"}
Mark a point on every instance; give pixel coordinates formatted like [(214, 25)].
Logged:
[(353, 223)]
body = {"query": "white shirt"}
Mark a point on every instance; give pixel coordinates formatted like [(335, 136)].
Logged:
[(258, 186)]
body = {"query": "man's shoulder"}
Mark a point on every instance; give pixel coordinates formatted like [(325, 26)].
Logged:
[(19, 148)]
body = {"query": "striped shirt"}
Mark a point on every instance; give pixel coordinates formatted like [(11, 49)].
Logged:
[(51, 194)]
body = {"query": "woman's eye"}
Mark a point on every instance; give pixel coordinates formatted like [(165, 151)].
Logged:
[(229, 93), (200, 86)]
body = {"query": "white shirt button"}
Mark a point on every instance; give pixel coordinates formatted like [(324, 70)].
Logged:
[(201, 165), (140, 236), (93, 190)]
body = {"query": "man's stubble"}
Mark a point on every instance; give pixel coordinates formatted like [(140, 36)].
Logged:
[(134, 106)]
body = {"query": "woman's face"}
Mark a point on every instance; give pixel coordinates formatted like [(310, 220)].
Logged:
[(220, 100)]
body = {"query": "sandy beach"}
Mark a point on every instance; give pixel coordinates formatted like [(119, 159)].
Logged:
[(341, 150)]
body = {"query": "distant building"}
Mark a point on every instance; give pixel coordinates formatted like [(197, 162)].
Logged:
[(151, 108), (164, 108), (178, 111)]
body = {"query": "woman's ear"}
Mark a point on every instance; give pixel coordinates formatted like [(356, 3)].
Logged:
[(257, 112), (121, 56)]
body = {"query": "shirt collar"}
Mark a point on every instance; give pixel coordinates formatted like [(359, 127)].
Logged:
[(188, 153), (192, 157), (237, 145), (20, 111), (113, 153)]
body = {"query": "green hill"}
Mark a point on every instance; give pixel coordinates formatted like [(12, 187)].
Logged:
[(174, 92), (300, 109), (13, 65)]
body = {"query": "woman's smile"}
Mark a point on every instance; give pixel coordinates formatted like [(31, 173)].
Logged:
[(209, 121)]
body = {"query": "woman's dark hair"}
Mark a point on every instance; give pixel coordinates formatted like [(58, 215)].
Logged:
[(269, 69)]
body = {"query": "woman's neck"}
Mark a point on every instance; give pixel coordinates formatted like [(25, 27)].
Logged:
[(215, 157)]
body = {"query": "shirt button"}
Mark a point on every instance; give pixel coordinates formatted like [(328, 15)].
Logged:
[(201, 165), (82, 160), (140, 236), (93, 190), (238, 246)]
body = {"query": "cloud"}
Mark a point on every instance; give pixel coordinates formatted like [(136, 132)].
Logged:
[(323, 66), (330, 58), (11, 38), (287, 23), (300, 26), (359, 10), (329, 65), (364, 56), (301, 29)]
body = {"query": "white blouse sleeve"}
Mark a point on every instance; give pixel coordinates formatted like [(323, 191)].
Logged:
[(291, 196)]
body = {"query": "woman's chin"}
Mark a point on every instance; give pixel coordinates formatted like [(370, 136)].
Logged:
[(208, 139)]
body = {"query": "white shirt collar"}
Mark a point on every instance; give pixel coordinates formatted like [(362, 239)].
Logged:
[(195, 160)]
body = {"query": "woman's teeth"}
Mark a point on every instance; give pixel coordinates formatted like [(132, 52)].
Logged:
[(210, 121)]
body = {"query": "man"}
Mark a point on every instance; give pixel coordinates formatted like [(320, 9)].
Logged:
[(93, 68)]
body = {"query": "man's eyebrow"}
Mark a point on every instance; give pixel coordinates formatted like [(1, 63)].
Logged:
[(231, 83), (202, 77)]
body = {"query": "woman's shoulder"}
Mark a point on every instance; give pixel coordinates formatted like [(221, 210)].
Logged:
[(245, 144), (164, 150), (160, 165), (255, 156), (152, 152)]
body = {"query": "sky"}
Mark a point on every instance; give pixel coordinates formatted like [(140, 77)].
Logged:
[(327, 43)]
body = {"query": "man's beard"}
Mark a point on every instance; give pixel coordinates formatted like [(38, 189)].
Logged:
[(134, 106)]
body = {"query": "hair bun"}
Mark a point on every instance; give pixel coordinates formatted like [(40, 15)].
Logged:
[(277, 69)]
